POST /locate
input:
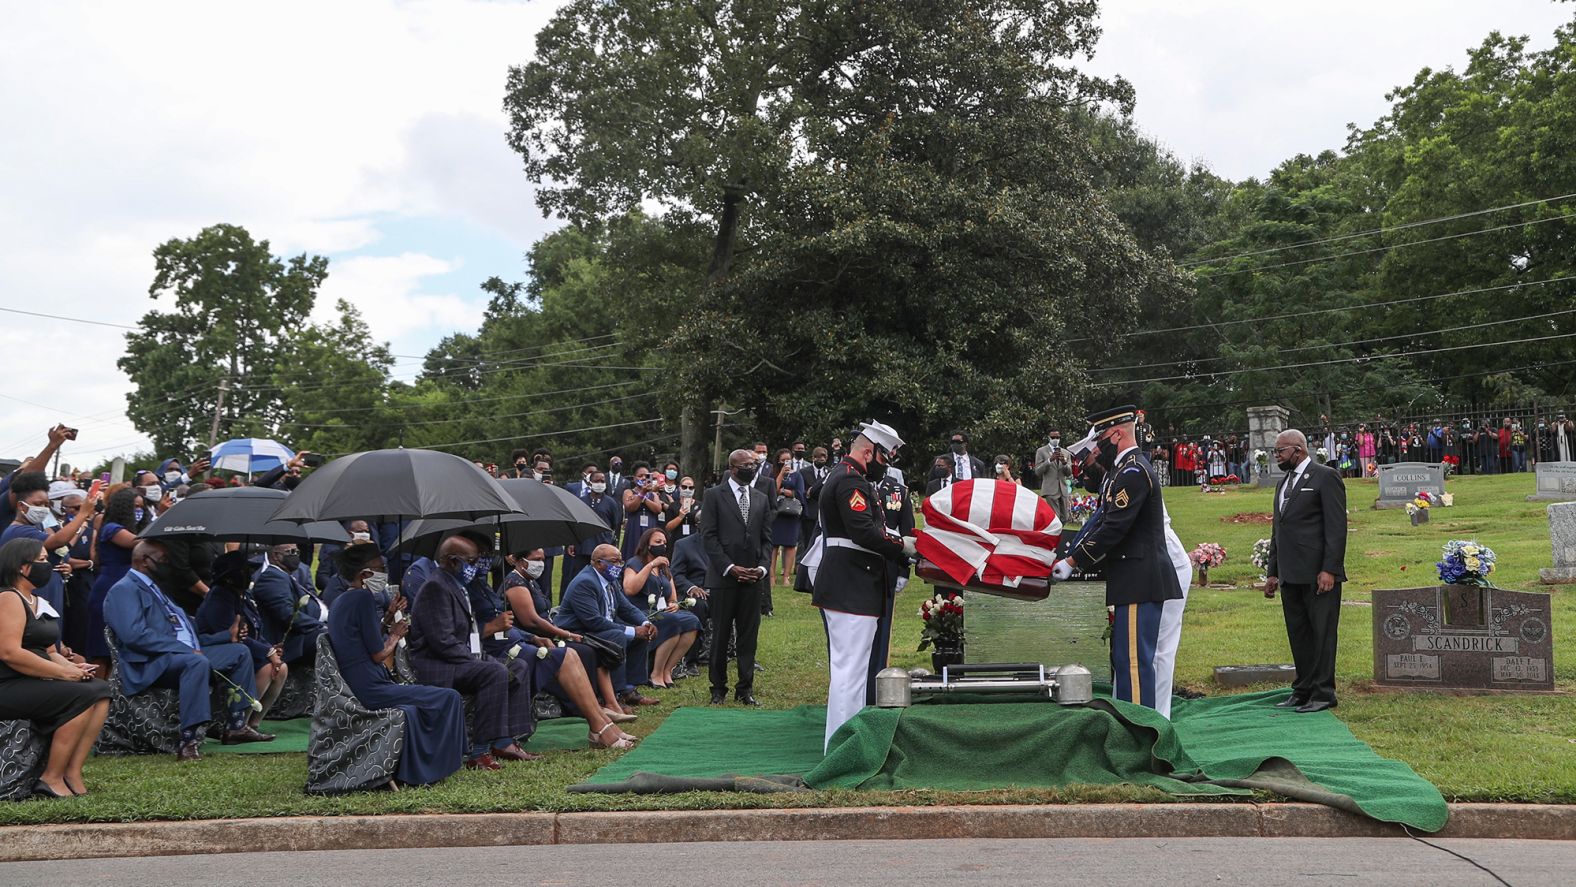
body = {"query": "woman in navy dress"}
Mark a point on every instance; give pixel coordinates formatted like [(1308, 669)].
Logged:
[(644, 506), (646, 574), (785, 526), (124, 517), (434, 716)]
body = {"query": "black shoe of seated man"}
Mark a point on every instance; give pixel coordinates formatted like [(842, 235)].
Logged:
[(244, 735), (746, 700), (1292, 702), (188, 751), (1316, 705), (718, 698)]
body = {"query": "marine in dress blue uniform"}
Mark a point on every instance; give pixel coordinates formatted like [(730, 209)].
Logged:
[(1128, 541)]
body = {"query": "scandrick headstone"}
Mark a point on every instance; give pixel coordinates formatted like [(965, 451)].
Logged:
[(1463, 638), (1400, 483), (1555, 480), (1562, 538)]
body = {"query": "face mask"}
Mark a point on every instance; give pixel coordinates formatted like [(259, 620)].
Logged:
[(659, 550), (671, 474), (377, 583), (533, 569), (1056, 443), (615, 465), (137, 513), (687, 493), (37, 514), (745, 475), (467, 572), (820, 463), (959, 447), (1285, 464), (290, 562), (875, 470), (520, 467), (1000, 468), (360, 537), (537, 475), (152, 494), (38, 574), (172, 477), (599, 488), (612, 572), (1106, 453)]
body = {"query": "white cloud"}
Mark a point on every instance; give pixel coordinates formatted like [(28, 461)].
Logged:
[(388, 291)]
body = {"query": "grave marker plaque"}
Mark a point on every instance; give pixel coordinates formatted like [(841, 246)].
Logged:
[(1555, 480), (1463, 638), (1562, 539), (1400, 483)]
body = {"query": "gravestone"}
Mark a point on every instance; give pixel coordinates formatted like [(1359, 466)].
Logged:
[(1562, 538), (1064, 628), (1400, 483), (1556, 480), (1463, 638), (1264, 425)]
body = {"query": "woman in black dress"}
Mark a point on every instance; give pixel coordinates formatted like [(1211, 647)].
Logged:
[(37, 683)]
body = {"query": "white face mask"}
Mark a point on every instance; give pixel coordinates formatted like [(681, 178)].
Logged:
[(172, 476), (377, 583), (686, 494), (152, 494), (533, 569), (37, 515), (360, 537), (599, 488)]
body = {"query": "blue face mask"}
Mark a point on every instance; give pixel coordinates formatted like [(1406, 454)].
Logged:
[(613, 572), (136, 513), (671, 474), (468, 572)]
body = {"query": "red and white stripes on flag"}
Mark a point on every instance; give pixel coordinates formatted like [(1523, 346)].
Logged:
[(995, 530)]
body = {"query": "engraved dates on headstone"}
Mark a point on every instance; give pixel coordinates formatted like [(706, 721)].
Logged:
[(1400, 483), (1555, 480), (1462, 637)]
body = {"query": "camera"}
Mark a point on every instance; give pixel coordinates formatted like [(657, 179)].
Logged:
[(312, 460)]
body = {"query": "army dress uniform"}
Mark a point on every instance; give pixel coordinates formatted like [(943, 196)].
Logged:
[(853, 586), (1130, 544)]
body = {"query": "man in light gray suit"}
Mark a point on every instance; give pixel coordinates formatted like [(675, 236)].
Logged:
[(1051, 467)]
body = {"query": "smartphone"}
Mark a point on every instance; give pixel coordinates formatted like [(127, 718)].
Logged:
[(312, 460), (104, 478), (93, 489)]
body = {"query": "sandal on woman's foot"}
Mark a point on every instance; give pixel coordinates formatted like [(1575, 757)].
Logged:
[(621, 743), (618, 717)]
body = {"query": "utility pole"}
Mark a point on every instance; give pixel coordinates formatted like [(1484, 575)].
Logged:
[(716, 444), (213, 430)]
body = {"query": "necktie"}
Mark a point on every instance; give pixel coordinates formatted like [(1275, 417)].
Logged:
[(1291, 484), (744, 504)]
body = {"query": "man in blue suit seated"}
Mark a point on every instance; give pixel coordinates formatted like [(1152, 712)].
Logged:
[(415, 577), (158, 647), (595, 604), (292, 613), (689, 567)]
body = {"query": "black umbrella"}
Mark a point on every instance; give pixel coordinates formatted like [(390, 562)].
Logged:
[(240, 514), (546, 516), (395, 485)]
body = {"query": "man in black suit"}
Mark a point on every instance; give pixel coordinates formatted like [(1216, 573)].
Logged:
[(735, 527), (964, 465), (1308, 564), (814, 475)]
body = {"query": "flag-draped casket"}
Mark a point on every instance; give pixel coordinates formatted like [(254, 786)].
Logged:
[(990, 536)]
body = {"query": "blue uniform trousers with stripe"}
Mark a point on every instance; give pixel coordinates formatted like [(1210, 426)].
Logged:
[(1135, 633)]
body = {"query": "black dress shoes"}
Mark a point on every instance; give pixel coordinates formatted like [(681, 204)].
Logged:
[(1292, 702), (188, 751), (1316, 705), (718, 698), (244, 735), (747, 700)]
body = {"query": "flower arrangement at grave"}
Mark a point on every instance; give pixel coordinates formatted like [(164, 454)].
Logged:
[(943, 617), (1465, 562), (1417, 509), (1322, 455), (1206, 555), (1080, 507), (1261, 459), (1261, 558)]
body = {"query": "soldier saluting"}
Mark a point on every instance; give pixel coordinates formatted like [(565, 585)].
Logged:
[(859, 564), (1130, 542)]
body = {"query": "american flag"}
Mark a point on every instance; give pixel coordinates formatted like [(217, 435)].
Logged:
[(995, 530)]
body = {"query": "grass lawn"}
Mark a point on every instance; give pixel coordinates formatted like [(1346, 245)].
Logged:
[(1485, 748)]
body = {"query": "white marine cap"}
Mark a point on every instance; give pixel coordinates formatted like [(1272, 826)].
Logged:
[(64, 489), (884, 436), (1083, 446)]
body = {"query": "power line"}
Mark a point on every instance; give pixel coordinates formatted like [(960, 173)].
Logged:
[(1378, 249), (490, 418), (1371, 231), (1360, 359), (122, 326), (461, 443), (1316, 311)]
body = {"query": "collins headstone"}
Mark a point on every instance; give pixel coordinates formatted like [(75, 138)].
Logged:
[(1562, 538), (1400, 483), (1556, 480), (1463, 638)]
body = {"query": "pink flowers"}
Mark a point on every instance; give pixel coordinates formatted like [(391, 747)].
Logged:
[(1208, 554)]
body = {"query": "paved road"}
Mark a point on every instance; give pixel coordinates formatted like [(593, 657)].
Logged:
[(1264, 862)]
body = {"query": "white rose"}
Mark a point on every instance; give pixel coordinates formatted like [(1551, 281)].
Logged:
[(257, 706), (689, 602), (514, 651), (541, 652)]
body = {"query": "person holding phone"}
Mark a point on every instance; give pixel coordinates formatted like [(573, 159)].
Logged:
[(644, 503), (57, 436)]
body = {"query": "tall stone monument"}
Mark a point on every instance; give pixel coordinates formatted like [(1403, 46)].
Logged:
[(1562, 538), (1264, 425)]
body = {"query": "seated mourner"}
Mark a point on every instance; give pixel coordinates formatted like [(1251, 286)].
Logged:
[(523, 592), (228, 614), (649, 583), (365, 637), (595, 604), (37, 683), (158, 647), (446, 651), (292, 613)]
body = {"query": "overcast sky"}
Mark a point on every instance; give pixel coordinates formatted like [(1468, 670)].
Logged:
[(371, 131)]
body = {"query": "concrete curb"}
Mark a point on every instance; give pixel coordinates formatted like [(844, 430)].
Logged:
[(99, 840)]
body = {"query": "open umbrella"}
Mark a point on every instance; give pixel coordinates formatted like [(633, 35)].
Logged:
[(240, 514), (250, 455), (546, 516), (395, 485)]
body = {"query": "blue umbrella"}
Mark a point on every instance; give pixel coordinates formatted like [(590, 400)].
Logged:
[(250, 455)]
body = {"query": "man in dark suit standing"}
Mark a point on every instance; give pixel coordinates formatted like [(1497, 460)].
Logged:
[(964, 465), (814, 475), (735, 527), (1308, 564)]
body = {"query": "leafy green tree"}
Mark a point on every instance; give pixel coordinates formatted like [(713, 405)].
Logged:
[(235, 305)]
